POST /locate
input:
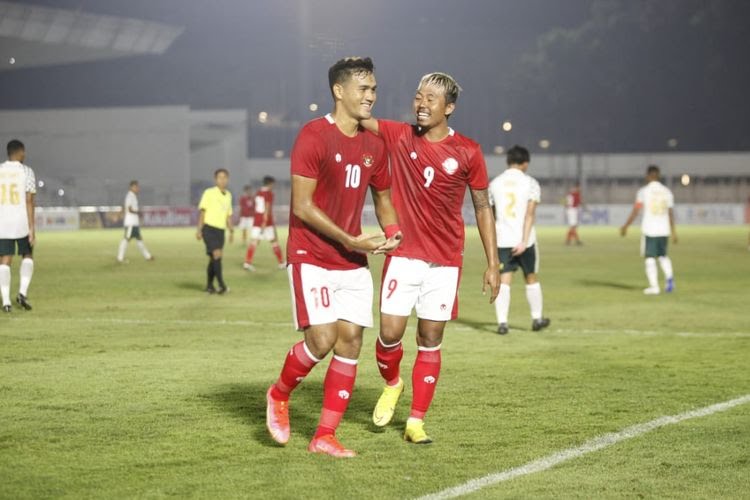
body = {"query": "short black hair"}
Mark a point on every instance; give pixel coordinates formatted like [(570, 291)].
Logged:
[(220, 170), (653, 170), (14, 146), (133, 183), (343, 69), (268, 180), (517, 155)]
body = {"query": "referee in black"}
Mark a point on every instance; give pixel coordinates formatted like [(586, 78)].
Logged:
[(215, 217)]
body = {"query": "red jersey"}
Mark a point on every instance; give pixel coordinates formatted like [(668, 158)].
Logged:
[(263, 201), (344, 168), (246, 206), (429, 185), (573, 199)]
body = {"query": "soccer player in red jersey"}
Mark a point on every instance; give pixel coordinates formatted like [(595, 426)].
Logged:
[(263, 226), (333, 162), (247, 211), (573, 205), (431, 166)]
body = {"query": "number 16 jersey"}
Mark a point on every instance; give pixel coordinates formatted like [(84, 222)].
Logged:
[(344, 167), (429, 185)]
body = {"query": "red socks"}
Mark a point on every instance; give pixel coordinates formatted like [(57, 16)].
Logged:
[(389, 360), (424, 378), (249, 254), (297, 365), (277, 252), (337, 390)]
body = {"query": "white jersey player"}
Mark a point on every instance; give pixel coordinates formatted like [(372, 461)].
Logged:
[(657, 202), (132, 223), (515, 196), (17, 230)]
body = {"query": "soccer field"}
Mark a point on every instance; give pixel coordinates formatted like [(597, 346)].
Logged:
[(129, 381)]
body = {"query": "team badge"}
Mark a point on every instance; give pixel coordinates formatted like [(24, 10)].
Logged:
[(338, 157), (413, 155), (450, 166), (367, 160)]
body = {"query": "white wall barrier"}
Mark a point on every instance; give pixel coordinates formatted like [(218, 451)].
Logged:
[(58, 218)]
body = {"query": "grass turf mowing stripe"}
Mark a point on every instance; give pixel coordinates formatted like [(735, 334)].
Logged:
[(590, 446)]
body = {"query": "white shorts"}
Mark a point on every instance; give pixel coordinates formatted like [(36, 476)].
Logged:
[(572, 215), (321, 296), (267, 234), (245, 223), (412, 283)]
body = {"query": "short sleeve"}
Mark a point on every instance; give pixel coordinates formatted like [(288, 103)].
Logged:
[(307, 154), (230, 211), (203, 205), (640, 197), (535, 192), (670, 199), (30, 180), (381, 177), (478, 178), (390, 130)]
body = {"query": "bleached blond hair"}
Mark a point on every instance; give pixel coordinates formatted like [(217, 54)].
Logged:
[(444, 81)]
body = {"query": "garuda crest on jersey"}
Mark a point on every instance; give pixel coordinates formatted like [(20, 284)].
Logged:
[(450, 166), (367, 160)]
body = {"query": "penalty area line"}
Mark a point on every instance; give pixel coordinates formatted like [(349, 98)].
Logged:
[(590, 446)]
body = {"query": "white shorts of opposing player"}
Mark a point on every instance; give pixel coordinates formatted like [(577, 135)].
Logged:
[(415, 284), (321, 296)]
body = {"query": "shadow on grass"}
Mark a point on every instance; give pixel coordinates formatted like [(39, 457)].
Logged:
[(248, 403), (195, 286), (608, 284), (481, 326)]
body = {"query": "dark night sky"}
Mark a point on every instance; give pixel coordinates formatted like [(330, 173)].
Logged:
[(589, 75)]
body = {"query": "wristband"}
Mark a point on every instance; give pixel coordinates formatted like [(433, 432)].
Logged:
[(390, 230)]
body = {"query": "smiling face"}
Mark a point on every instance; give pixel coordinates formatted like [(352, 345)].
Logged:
[(357, 95), (430, 106)]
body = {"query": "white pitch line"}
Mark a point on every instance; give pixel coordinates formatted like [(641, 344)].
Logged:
[(613, 331), (590, 446)]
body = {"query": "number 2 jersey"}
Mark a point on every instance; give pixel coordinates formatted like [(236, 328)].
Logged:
[(429, 185), (344, 168), (656, 199), (510, 193), (16, 179)]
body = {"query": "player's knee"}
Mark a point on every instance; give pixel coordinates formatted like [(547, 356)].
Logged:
[(390, 334)]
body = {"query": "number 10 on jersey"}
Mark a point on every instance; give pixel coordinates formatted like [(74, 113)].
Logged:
[(353, 176)]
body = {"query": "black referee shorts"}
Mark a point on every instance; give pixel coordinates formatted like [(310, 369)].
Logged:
[(213, 237)]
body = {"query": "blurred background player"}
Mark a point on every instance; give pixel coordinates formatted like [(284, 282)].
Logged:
[(515, 196), (431, 165), (333, 162), (214, 219), (132, 223), (17, 230), (657, 202), (247, 211), (263, 225), (573, 206)]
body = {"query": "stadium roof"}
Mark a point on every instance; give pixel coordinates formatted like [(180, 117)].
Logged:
[(32, 36)]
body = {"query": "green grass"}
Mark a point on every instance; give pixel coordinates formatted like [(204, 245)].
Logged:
[(128, 381)]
